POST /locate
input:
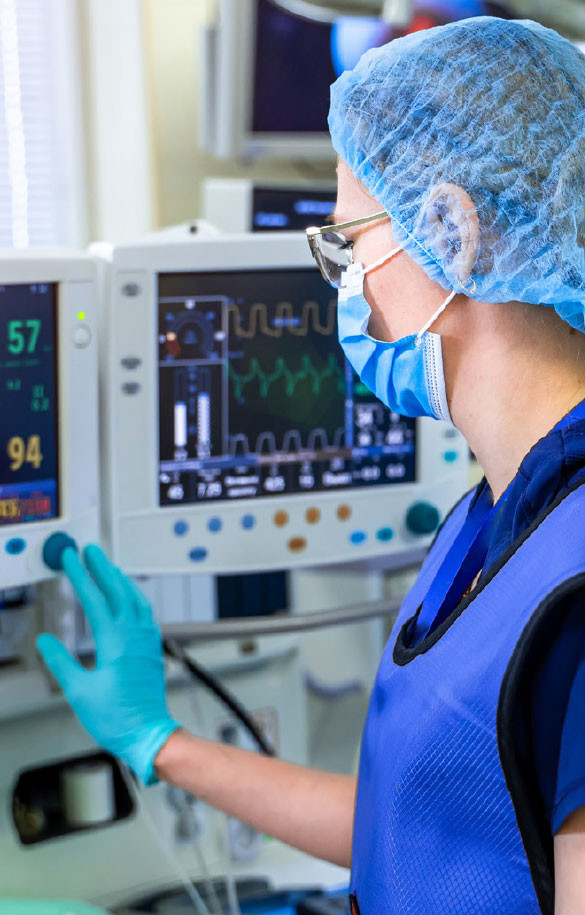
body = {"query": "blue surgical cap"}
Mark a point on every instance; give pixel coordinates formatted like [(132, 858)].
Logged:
[(495, 107)]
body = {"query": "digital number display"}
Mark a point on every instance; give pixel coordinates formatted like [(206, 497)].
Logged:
[(29, 465), (256, 397)]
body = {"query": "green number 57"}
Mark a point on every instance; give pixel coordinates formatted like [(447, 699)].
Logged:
[(17, 335)]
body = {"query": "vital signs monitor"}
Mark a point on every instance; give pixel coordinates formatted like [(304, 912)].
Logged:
[(49, 408), (238, 437)]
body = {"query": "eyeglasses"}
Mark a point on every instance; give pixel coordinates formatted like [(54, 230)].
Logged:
[(332, 251)]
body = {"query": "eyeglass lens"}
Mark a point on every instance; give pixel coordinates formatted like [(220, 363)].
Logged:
[(334, 255)]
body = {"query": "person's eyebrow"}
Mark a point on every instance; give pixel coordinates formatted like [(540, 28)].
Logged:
[(331, 220)]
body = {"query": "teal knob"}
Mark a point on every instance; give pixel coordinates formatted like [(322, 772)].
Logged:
[(422, 518), (54, 547)]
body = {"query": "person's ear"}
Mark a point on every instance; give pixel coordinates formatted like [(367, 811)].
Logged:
[(452, 229)]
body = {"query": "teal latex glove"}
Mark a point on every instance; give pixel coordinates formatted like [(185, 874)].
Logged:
[(122, 702)]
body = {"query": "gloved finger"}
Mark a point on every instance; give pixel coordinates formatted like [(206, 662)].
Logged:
[(90, 596), (108, 579), (63, 667), (128, 610), (141, 603)]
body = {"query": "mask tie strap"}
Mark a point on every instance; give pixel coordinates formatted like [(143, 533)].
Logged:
[(432, 320), (381, 261)]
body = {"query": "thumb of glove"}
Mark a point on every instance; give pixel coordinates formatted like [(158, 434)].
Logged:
[(60, 663)]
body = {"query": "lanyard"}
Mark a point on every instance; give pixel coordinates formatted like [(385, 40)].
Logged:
[(468, 553), (464, 560)]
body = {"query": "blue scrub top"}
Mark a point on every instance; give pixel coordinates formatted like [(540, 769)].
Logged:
[(554, 463)]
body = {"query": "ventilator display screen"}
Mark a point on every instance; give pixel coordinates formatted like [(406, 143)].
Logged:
[(29, 465), (256, 397)]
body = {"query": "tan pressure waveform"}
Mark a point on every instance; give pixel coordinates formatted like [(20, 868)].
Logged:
[(284, 320)]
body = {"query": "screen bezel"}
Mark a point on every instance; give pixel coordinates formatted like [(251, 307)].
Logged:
[(135, 490), (141, 534), (75, 274)]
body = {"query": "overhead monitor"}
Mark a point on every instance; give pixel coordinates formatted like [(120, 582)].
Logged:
[(49, 416), (241, 205), (266, 72), (238, 437)]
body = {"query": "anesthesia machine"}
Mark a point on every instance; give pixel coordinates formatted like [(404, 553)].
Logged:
[(232, 437)]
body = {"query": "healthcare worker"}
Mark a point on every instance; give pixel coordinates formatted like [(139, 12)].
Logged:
[(460, 263)]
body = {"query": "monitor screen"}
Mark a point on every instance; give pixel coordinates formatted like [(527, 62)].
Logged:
[(290, 209), (256, 398), (288, 98), (29, 453)]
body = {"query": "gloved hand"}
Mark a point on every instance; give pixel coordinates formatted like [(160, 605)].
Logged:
[(122, 702)]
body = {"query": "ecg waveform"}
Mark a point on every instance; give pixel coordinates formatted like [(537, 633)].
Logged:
[(292, 442), (291, 379), (284, 320)]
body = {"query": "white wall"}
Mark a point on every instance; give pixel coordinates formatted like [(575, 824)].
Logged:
[(121, 186)]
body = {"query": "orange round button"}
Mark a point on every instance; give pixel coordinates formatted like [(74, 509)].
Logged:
[(313, 515), (296, 544), (344, 512), (280, 519)]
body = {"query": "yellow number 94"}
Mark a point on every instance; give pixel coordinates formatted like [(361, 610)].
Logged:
[(20, 452)]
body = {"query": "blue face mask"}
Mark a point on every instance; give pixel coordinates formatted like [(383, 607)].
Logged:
[(406, 375)]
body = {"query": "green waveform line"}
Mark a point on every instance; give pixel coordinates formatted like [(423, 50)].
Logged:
[(281, 370)]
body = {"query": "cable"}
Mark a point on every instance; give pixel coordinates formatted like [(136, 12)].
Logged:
[(230, 882), (190, 889), (208, 879), (177, 652)]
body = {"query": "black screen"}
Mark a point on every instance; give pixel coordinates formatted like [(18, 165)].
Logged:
[(29, 467), (293, 72), (256, 397)]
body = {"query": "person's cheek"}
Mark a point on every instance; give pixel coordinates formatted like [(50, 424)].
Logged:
[(379, 325)]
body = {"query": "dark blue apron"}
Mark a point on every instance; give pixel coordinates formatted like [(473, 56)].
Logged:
[(435, 827)]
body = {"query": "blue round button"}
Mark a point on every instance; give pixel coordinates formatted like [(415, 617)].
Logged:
[(385, 534), (358, 537), (198, 554), (181, 528), (15, 546), (248, 522), (214, 525), (450, 456)]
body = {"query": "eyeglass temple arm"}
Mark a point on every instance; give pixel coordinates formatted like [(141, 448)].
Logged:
[(354, 222)]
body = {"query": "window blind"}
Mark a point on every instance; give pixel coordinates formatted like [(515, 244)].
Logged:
[(40, 125)]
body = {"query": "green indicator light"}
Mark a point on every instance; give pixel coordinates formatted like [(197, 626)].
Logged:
[(81, 315)]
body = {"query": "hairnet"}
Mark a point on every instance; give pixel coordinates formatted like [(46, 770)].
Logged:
[(496, 107)]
